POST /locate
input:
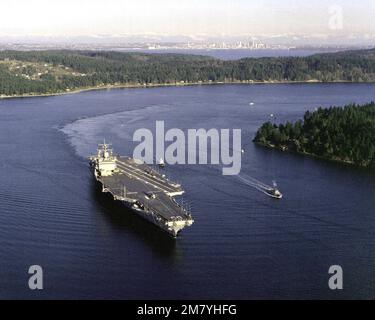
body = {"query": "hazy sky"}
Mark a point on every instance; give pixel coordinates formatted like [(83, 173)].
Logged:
[(189, 17)]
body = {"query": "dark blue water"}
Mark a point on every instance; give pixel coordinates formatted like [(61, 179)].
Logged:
[(235, 54), (243, 244)]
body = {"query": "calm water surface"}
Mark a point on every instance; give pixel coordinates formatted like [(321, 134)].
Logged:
[(243, 244), (234, 54)]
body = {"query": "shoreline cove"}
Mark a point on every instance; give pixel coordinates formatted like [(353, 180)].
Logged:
[(178, 84), (312, 155)]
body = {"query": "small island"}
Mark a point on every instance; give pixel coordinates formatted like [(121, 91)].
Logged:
[(344, 134)]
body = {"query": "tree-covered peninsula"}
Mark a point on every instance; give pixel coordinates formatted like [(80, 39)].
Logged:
[(342, 134), (51, 72)]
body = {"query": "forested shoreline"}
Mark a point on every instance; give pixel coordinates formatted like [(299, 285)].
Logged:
[(54, 72), (341, 134)]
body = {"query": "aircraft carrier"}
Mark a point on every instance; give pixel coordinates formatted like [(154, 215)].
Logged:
[(142, 189)]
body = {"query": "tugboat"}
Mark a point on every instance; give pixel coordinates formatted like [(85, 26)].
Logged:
[(274, 192)]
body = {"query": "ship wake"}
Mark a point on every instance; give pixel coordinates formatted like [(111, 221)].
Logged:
[(256, 184)]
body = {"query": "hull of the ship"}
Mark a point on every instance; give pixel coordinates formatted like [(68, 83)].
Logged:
[(149, 217), (141, 213)]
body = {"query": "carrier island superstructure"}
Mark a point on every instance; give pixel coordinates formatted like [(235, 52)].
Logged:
[(142, 189)]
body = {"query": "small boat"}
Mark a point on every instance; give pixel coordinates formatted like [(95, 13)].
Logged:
[(251, 103), (242, 151), (161, 163), (274, 193)]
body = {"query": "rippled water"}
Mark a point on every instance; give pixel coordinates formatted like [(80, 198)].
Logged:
[(243, 244)]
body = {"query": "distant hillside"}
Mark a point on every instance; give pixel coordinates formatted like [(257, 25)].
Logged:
[(49, 72)]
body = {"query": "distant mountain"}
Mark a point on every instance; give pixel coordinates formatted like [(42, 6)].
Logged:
[(317, 40)]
